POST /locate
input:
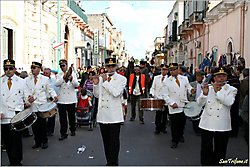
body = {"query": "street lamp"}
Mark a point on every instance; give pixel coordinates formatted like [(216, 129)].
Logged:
[(105, 50)]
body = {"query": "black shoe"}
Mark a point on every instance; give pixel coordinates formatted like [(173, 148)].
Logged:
[(36, 146), (45, 145), (157, 132), (73, 134), (182, 140), (63, 137), (174, 145), (90, 129), (131, 119)]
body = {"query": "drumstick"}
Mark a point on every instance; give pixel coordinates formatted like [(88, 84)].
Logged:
[(185, 107), (57, 98)]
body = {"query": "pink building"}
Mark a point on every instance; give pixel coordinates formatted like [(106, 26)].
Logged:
[(219, 27)]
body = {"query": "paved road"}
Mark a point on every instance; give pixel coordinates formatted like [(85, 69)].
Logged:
[(139, 147)]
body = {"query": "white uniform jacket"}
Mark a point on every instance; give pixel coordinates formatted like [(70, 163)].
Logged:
[(216, 114), (157, 86), (110, 101), (66, 93), (11, 100), (40, 90), (172, 93)]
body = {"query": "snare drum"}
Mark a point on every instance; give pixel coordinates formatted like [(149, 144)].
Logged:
[(23, 120), (151, 104), (48, 110), (193, 110)]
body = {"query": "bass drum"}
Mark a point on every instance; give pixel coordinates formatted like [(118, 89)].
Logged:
[(193, 110), (23, 120), (151, 104)]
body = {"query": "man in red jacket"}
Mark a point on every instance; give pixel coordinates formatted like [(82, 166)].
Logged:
[(136, 91)]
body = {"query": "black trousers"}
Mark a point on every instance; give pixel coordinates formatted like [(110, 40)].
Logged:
[(13, 143), (95, 109), (196, 125), (67, 111), (51, 124), (213, 146), (111, 141), (39, 129), (161, 119), (136, 100), (178, 122)]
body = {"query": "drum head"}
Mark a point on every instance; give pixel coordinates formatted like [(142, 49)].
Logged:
[(192, 109), (47, 107), (20, 116)]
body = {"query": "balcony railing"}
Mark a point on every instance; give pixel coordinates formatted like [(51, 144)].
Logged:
[(180, 29), (74, 7), (196, 18)]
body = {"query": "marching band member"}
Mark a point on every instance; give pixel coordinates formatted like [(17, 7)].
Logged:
[(215, 120), (155, 91), (176, 87), (51, 120), (38, 87), (67, 99), (199, 75), (11, 101), (109, 90)]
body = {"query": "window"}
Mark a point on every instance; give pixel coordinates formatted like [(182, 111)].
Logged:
[(8, 43)]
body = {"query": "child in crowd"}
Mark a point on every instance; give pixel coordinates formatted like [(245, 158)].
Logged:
[(84, 101)]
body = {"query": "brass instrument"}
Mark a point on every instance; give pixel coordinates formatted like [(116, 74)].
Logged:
[(67, 75)]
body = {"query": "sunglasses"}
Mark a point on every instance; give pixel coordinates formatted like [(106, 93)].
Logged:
[(63, 65), (173, 69), (33, 67), (9, 68)]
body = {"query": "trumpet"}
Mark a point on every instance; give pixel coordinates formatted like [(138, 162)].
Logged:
[(68, 74)]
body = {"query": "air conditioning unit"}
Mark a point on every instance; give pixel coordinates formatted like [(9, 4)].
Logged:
[(197, 44)]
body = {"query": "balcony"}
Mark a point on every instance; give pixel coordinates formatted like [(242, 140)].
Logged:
[(180, 30), (75, 8), (196, 18), (186, 27)]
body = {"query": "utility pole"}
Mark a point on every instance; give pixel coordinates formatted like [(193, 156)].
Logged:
[(58, 33), (105, 49)]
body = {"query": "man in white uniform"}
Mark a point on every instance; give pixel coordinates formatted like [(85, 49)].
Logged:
[(38, 87), (215, 120), (11, 101), (155, 91), (176, 87), (67, 99), (109, 88)]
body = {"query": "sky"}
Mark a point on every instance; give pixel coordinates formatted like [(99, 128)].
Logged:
[(140, 21)]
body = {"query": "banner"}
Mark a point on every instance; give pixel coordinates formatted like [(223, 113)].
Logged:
[(96, 42)]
